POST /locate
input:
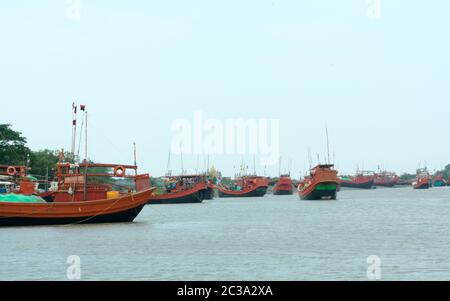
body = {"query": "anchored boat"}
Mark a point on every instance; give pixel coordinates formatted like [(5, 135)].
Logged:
[(181, 189), (246, 186), (439, 181), (364, 180), (84, 193), (322, 183), (423, 180), (385, 179), (78, 201), (284, 186)]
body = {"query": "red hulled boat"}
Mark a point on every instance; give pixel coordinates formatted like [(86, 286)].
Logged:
[(246, 186), (79, 196), (385, 179), (322, 183), (284, 186), (363, 180), (439, 181), (182, 189), (423, 180), (78, 201)]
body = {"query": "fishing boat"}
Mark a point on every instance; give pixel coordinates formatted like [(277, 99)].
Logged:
[(322, 183), (245, 186), (385, 179), (78, 200), (439, 181), (83, 194), (364, 180), (181, 189), (284, 186), (423, 180)]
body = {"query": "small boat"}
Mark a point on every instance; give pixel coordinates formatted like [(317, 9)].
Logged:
[(77, 201), (245, 186), (363, 180), (423, 180), (322, 183), (181, 189), (385, 179), (284, 186), (439, 181)]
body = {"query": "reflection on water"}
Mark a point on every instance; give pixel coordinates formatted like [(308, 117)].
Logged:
[(270, 238)]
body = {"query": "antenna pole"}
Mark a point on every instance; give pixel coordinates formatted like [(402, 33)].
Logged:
[(182, 167), (279, 166)]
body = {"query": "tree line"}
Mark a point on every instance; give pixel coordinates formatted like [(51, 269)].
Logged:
[(14, 151)]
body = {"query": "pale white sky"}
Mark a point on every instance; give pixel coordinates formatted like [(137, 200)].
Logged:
[(381, 86)]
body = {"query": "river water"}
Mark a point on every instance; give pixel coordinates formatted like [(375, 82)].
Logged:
[(270, 238)]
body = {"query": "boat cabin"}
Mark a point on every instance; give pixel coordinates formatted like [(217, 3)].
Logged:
[(89, 182)]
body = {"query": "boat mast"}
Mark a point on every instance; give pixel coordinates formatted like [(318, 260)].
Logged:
[(279, 166), (169, 171), (328, 147), (309, 158), (181, 152), (74, 130), (135, 159), (290, 167), (85, 152)]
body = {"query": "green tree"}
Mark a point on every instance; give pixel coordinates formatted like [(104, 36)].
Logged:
[(446, 172), (407, 177), (13, 150), (43, 161)]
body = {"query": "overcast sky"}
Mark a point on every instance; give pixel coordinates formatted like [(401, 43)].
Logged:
[(381, 86)]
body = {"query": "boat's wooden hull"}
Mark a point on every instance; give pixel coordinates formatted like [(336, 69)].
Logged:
[(319, 191), (283, 192), (194, 195), (422, 186), (283, 187), (257, 191), (123, 209), (208, 194), (358, 185)]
